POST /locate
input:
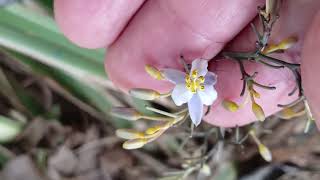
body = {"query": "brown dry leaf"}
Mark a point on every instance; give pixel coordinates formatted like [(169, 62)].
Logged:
[(114, 161), (64, 161), (34, 132), (39, 129), (22, 167), (92, 175), (88, 157)]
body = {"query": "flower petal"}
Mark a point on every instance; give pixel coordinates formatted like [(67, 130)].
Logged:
[(195, 109), (201, 65), (208, 95), (181, 94), (210, 78), (174, 76)]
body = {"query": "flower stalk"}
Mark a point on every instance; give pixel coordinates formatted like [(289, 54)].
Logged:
[(263, 150)]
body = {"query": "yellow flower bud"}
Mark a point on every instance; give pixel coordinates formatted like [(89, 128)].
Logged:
[(153, 129), (154, 72), (205, 170), (230, 105), (156, 128), (288, 42), (258, 111), (125, 113), (129, 134), (144, 94), (288, 113), (254, 93), (283, 45), (134, 143), (252, 133), (265, 152)]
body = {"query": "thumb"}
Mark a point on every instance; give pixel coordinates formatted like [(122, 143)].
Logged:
[(310, 67)]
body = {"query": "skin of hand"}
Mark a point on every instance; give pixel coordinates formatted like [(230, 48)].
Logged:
[(157, 32)]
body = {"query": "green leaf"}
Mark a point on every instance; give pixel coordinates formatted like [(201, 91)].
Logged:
[(18, 96), (86, 92), (37, 36), (9, 129)]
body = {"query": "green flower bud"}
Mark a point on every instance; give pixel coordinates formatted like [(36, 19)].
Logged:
[(125, 113), (144, 94)]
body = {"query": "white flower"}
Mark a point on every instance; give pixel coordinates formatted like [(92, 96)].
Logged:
[(195, 88)]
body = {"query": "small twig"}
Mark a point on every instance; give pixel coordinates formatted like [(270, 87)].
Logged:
[(208, 110), (161, 112), (270, 65), (301, 98), (185, 65), (264, 86)]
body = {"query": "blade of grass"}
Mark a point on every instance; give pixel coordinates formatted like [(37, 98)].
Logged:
[(7, 91), (86, 92), (50, 54), (32, 35), (18, 96), (9, 129), (43, 27)]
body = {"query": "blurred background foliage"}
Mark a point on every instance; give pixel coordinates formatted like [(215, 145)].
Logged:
[(55, 100)]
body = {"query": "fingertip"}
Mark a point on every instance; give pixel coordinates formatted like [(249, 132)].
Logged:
[(96, 23), (126, 73), (163, 30), (310, 67)]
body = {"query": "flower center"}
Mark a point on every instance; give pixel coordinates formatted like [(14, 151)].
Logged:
[(193, 82)]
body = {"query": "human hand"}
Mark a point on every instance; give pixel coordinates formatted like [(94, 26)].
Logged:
[(157, 32)]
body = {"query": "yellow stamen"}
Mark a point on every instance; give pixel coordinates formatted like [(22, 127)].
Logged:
[(188, 79), (201, 79), (193, 89), (194, 74), (193, 82)]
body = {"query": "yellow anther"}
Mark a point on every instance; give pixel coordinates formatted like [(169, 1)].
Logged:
[(194, 74), (201, 79), (194, 83), (197, 83), (188, 85), (188, 79), (193, 89)]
